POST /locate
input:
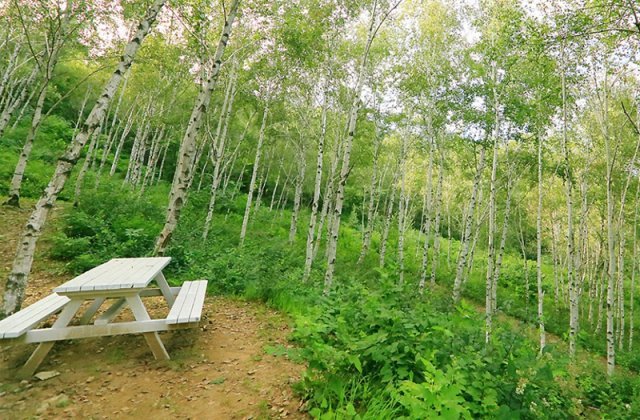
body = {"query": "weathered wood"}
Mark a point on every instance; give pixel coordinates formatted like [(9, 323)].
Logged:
[(43, 349), (119, 273), (164, 287), (188, 304), (91, 310), (18, 323), (49, 335), (111, 313), (152, 338)]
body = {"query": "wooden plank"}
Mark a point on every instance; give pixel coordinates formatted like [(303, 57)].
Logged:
[(196, 310), (119, 273), (43, 349), (161, 281), (188, 305), (17, 324), (152, 338), (49, 335), (186, 308), (91, 310), (154, 291), (179, 303), (111, 313), (76, 283), (146, 272), (20, 316)]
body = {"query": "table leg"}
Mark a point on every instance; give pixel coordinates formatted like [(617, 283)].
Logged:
[(153, 339), (43, 349), (91, 310), (166, 290)]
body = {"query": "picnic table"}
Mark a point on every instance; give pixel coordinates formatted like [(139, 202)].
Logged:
[(121, 282)]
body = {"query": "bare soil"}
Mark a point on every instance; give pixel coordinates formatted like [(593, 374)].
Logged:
[(217, 371)]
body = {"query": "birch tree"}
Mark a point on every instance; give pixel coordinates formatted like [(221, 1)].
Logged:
[(186, 155)]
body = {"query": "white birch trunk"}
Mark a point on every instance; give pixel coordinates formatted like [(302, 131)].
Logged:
[(308, 262), (123, 137), (489, 309), (328, 197), (611, 266), (183, 174), (402, 208), (466, 237), (254, 174), (388, 218), (302, 169), (332, 241), (218, 152), (85, 166), (427, 210), (374, 193), (543, 336), (436, 228)]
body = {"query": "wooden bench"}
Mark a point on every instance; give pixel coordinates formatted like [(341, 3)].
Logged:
[(19, 323), (188, 305)]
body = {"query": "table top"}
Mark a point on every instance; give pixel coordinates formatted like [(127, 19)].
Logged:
[(116, 274)]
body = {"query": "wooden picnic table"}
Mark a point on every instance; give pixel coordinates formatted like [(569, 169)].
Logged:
[(122, 281)]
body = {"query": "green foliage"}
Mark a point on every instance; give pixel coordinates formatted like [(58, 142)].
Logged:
[(429, 361), (107, 224), (52, 137)]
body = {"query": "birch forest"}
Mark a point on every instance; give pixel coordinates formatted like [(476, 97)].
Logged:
[(442, 197)]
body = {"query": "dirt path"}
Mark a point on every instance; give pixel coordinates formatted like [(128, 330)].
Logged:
[(218, 371)]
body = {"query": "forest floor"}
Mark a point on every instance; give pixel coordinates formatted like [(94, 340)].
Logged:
[(218, 371)]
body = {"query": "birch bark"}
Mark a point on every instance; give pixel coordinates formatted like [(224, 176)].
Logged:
[(254, 174), (317, 185), (543, 336), (184, 174), (332, 242), (466, 238)]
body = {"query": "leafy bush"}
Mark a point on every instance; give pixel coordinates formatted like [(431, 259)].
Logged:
[(429, 363), (107, 224)]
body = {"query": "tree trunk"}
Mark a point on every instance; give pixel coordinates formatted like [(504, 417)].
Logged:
[(317, 185), (611, 266), (332, 241), (123, 137), (402, 208), (503, 242), (436, 227), (85, 166), (113, 130), (254, 174), (21, 166), (17, 281), (466, 237), (543, 336), (427, 210), (373, 195), (20, 100), (218, 148), (328, 196), (183, 172), (391, 199), (574, 302), (302, 169), (634, 265)]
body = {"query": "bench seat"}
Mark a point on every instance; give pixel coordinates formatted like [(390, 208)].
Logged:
[(22, 321), (187, 307)]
